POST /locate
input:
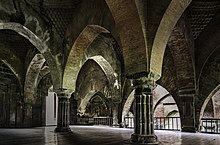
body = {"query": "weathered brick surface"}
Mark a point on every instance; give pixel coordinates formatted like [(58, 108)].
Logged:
[(168, 79), (181, 46)]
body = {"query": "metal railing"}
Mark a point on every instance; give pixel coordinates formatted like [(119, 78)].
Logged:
[(85, 120), (129, 122), (95, 121), (160, 123), (103, 121), (210, 125), (167, 123)]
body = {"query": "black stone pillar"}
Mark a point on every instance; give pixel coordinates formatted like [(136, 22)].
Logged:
[(63, 112), (187, 110), (143, 117)]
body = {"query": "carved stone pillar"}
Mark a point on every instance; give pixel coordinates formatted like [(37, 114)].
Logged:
[(187, 110), (63, 111), (143, 115)]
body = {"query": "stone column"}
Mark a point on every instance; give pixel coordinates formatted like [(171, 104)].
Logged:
[(115, 115), (143, 116), (187, 110), (27, 115), (63, 111)]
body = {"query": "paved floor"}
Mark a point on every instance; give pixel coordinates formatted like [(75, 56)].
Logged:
[(98, 135)]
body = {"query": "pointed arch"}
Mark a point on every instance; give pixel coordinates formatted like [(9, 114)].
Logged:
[(207, 101), (109, 73), (76, 54), (106, 68), (44, 71), (127, 105), (160, 100), (129, 28), (41, 47), (174, 11), (84, 102), (31, 78)]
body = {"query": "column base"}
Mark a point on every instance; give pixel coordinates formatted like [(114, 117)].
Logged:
[(188, 129), (62, 129), (116, 125), (144, 139)]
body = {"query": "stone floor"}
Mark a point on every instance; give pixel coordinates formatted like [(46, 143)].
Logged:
[(98, 135)]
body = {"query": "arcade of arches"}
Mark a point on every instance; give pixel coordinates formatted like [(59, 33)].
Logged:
[(62, 61)]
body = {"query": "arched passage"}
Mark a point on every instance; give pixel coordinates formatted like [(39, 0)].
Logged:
[(160, 97), (84, 103), (207, 101), (127, 105), (166, 110), (165, 107), (207, 65), (208, 83), (32, 77), (169, 20), (113, 86), (159, 93), (41, 46), (44, 71), (99, 76), (12, 61), (75, 57), (160, 100), (210, 112), (44, 103), (98, 106)]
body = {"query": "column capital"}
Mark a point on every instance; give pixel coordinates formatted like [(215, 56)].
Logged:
[(146, 83), (63, 93)]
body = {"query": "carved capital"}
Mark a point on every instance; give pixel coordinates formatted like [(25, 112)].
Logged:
[(63, 93), (146, 84)]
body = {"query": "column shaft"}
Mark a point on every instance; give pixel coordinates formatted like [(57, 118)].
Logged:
[(63, 114), (115, 115), (143, 118), (188, 109)]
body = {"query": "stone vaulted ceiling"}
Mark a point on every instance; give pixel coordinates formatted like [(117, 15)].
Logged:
[(200, 13)]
